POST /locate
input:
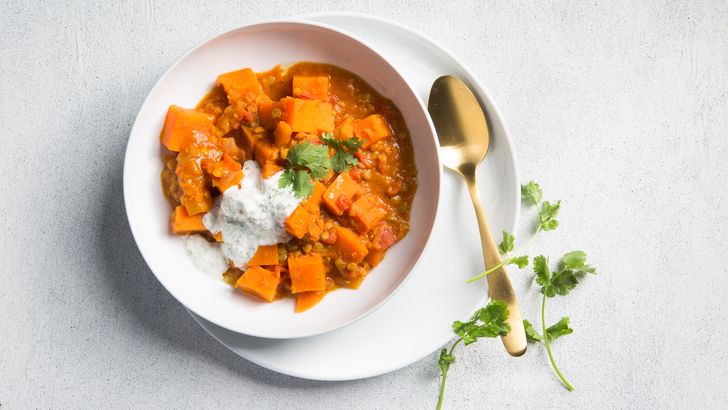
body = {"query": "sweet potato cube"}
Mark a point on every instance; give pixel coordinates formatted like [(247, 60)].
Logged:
[(266, 152), (265, 255), (311, 87), (312, 116), (297, 223), (181, 126), (338, 196), (367, 211), (226, 173), (307, 300), (315, 225), (182, 222), (372, 129), (260, 282), (240, 85), (230, 179), (313, 203), (307, 272), (282, 134), (344, 129), (350, 246)]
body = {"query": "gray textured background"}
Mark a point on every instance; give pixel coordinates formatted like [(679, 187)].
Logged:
[(617, 108)]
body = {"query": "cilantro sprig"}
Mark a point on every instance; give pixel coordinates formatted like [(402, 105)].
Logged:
[(488, 321), (531, 194), (343, 157), (571, 270), (306, 162)]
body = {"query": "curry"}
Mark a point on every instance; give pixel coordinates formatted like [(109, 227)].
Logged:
[(351, 207)]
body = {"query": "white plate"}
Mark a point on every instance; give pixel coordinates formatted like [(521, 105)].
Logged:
[(417, 321), (262, 46)]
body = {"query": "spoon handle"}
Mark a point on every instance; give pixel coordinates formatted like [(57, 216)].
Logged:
[(499, 284)]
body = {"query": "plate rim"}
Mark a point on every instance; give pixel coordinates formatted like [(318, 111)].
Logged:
[(480, 91)]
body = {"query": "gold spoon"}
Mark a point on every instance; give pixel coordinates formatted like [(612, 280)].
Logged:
[(464, 139)]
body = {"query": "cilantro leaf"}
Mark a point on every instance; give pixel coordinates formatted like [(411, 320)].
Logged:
[(305, 162), (341, 161), (302, 184), (547, 215), (532, 191), (286, 179), (353, 144), (560, 328), (572, 269), (343, 157), (555, 331), (507, 244), (489, 321), (532, 334), (576, 261), (299, 181), (312, 156), (520, 261), (541, 268)]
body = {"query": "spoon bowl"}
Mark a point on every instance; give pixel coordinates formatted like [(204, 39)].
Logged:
[(461, 125)]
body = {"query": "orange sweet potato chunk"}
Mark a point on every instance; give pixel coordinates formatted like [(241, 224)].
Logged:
[(311, 116), (350, 246), (266, 152), (372, 129), (282, 134), (265, 255), (313, 203), (182, 222), (344, 129), (260, 282), (181, 126), (226, 173), (337, 197), (307, 300), (297, 223), (307, 272), (240, 85), (367, 211), (311, 87)]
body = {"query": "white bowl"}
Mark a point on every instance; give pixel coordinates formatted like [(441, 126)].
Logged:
[(262, 46)]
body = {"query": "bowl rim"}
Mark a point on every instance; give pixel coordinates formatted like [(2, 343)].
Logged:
[(420, 104)]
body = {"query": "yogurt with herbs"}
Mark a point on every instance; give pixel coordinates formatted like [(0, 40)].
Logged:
[(251, 215)]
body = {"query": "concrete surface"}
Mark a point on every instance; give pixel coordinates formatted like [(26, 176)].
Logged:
[(620, 109)]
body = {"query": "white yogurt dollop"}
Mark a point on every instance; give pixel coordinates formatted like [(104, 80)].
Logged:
[(251, 215), (206, 256)]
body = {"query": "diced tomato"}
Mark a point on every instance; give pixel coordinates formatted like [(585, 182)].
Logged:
[(387, 237)]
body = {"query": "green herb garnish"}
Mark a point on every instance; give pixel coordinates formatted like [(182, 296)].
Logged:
[(488, 321), (306, 162), (571, 270), (343, 158)]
